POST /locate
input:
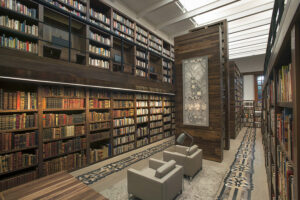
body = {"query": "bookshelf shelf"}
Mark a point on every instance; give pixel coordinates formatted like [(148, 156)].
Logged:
[(99, 108), (285, 104), (100, 129), (121, 144), (19, 169), (19, 33), (60, 109), (99, 43), (63, 138), (18, 111), (63, 154), (130, 133), (17, 14), (99, 56), (92, 122), (124, 125), (99, 139), (18, 130), (16, 150), (82, 123)]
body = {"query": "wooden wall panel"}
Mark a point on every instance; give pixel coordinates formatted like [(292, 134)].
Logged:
[(203, 42)]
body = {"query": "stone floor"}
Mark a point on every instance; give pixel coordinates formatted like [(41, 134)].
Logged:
[(205, 184)]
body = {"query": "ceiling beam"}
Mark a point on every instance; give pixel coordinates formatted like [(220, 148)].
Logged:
[(242, 55), (243, 45), (247, 36), (244, 27), (249, 31), (154, 7), (196, 12)]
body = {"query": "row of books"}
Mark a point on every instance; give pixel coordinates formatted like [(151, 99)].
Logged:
[(60, 147), (140, 63), (285, 176), (156, 130), (142, 119), (123, 20), (166, 52), (142, 142), (123, 104), (12, 141), (62, 132), (123, 113), (18, 121), (80, 14), (156, 103), (15, 43), (100, 136), (285, 130), (100, 23), (167, 110), (284, 84), (99, 154), (156, 124), (167, 126), (99, 16), (99, 50), (123, 131), (142, 131), (123, 28), (155, 46), (96, 103), (99, 116), (123, 122), (156, 138), (63, 103), (99, 63), (99, 94), (118, 95), (142, 38), (140, 54), (100, 38), (19, 179), (123, 148), (18, 7), (63, 92), (155, 39), (15, 161), (101, 125), (155, 117), (166, 72), (123, 35), (18, 100), (19, 26), (69, 162), (166, 79), (75, 4), (166, 64), (167, 134), (142, 111), (140, 73), (125, 139), (142, 97), (156, 110), (141, 31), (141, 104), (54, 119)]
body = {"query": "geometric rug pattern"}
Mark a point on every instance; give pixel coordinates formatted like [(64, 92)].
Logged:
[(100, 173), (238, 181)]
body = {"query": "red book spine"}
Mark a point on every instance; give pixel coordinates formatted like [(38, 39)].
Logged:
[(18, 100)]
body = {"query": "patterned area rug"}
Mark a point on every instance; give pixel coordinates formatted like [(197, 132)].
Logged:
[(96, 175), (238, 181)]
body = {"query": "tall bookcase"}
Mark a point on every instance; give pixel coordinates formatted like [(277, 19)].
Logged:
[(50, 128), (86, 32), (248, 113), (280, 113), (236, 100), (257, 114)]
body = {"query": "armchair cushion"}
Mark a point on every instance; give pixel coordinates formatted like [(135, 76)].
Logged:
[(165, 169), (192, 150)]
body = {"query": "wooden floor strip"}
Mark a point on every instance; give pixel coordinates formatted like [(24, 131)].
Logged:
[(59, 186)]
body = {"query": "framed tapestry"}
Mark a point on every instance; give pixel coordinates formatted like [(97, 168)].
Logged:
[(195, 91)]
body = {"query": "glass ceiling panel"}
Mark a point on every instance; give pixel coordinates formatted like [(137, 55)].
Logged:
[(193, 4)]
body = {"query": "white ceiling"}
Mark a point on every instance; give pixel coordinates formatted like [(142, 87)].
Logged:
[(248, 20)]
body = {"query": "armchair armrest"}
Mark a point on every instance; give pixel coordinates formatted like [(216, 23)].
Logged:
[(181, 149), (155, 164), (178, 157)]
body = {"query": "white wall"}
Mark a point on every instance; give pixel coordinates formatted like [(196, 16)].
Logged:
[(251, 63), (133, 15), (249, 93)]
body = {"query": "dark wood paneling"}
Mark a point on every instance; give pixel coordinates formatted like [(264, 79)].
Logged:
[(203, 42)]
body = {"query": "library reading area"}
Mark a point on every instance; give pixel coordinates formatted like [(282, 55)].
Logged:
[(149, 99)]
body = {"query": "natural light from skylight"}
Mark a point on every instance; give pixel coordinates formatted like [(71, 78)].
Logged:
[(193, 4)]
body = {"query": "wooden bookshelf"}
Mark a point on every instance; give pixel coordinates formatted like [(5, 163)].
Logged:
[(280, 112), (74, 33), (248, 113), (236, 100)]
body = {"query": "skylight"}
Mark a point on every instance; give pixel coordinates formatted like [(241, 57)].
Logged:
[(193, 4)]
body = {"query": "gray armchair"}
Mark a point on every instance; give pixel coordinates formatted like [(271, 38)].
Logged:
[(161, 181), (189, 158)]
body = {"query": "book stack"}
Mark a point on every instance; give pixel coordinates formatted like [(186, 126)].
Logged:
[(99, 16), (123, 148), (142, 97), (63, 92), (140, 73), (142, 119), (15, 161), (123, 28), (100, 38), (156, 131), (62, 103), (97, 126), (62, 132), (18, 121), (12, 141), (17, 100), (167, 110), (52, 119), (156, 110), (123, 113), (61, 147), (167, 126), (99, 63), (142, 111), (99, 50), (123, 122), (98, 117), (99, 154), (19, 26), (99, 94), (155, 117), (155, 103), (142, 142), (77, 12), (74, 4), (123, 20), (284, 84), (123, 104), (167, 118), (17, 180), (141, 104), (69, 162), (122, 96), (156, 138), (156, 124), (141, 64), (96, 103), (123, 140), (18, 7), (123, 131), (142, 131), (15, 43), (100, 136)]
